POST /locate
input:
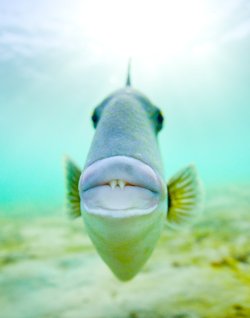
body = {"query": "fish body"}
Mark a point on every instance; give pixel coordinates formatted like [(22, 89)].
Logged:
[(121, 192)]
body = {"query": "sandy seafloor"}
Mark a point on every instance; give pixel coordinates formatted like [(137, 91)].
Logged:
[(49, 268)]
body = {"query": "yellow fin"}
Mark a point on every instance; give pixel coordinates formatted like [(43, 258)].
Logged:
[(72, 174), (184, 195)]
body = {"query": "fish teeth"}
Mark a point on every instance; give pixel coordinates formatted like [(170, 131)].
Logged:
[(113, 183), (117, 183), (121, 183)]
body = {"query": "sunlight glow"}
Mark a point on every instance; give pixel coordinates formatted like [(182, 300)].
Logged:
[(149, 29)]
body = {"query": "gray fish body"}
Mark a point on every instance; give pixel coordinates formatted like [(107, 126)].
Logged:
[(126, 130), (121, 192)]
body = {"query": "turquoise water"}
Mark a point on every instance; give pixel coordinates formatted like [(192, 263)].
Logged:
[(53, 72), (58, 60)]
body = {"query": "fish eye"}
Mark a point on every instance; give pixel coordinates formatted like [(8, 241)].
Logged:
[(94, 119), (159, 118)]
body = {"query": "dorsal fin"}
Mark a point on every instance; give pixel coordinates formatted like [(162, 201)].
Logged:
[(128, 82)]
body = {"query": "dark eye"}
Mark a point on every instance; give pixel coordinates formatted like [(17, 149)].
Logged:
[(94, 119), (160, 118)]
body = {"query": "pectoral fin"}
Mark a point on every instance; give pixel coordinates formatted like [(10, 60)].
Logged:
[(72, 174), (184, 195)]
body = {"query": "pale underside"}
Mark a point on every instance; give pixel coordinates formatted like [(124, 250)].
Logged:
[(124, 204)]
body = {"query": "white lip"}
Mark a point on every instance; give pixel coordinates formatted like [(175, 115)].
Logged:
[(119, 187)]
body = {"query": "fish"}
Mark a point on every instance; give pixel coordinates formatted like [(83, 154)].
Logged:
[(121, 192)]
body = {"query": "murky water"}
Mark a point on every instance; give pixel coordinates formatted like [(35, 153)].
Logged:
[(58, 60), (49, 268)]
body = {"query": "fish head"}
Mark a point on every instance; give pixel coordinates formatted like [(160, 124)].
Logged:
[(153, 113), (122, 190)]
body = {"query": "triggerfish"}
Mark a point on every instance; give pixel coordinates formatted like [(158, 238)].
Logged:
[(121, 192)]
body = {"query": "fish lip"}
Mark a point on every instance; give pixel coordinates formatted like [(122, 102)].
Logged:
[(133, 171)]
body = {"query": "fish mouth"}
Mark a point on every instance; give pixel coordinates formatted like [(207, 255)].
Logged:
[(120, 186)]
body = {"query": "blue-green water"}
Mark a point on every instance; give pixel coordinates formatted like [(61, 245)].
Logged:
[(58, 60), (53, 74)]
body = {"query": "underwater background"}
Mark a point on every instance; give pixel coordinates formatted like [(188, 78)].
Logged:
[(58, 60)]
